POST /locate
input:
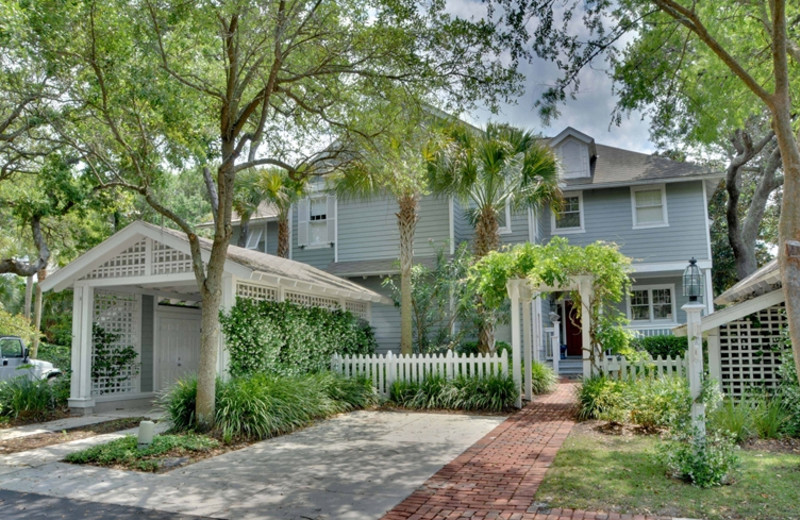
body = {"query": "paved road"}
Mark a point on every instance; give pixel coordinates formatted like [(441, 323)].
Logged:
[(31, 506)]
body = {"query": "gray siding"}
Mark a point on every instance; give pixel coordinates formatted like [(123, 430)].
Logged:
[(385, 318), (367, 230), (146, 356), (608, 216), (318, 257), (463, 230)]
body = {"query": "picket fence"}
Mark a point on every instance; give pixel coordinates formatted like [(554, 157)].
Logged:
[(617, 367), (385, 369)]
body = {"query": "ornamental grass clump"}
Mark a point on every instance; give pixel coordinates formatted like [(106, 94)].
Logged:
[(543, 378), (26, 399), (261, 406), (493, 393)]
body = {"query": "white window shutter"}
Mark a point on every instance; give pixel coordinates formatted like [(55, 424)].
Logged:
[(303, 212), (330, 216)]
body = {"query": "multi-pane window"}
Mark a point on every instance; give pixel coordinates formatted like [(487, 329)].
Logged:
[(652, 304), (318, 221), (649, 207), (570, 216)]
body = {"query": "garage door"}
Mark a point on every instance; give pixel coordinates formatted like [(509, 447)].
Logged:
[(178, 344)]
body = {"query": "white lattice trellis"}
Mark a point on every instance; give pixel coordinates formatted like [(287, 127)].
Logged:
[(130, 262), (750, 352), (119, 314), (256, 292), (359, 309), (167, 260), (311, 300)]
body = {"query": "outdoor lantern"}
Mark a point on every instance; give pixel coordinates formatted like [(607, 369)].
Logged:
[(692, 281)]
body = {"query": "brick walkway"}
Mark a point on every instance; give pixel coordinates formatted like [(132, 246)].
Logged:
[(498, 476)]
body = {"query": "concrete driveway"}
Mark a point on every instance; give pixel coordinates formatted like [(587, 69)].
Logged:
[(354, 466)]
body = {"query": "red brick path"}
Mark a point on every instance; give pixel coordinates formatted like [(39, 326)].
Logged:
[(498, 476)]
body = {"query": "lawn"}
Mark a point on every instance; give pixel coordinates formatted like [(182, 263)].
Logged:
[(619, 473)]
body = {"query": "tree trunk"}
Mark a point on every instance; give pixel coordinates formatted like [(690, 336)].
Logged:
[(283, 236), (487, 239), (26, 311), (244, 230), (789, 227), (37, 313), (406, 224)]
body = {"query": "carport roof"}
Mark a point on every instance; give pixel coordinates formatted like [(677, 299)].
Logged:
[(244, 263)]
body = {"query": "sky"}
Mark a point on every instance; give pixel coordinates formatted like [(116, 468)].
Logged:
[(589, 113)]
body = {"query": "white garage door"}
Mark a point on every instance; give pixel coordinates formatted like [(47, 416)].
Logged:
[(178, 344)]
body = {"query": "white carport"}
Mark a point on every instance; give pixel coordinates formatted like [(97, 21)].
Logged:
[(139, 284)]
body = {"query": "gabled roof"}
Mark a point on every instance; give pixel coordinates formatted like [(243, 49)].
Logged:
[(244, 263), (377, 267), (765, 280), (580, 136)]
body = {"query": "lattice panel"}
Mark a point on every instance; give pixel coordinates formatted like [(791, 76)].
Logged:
[(119, 314), (310, 300), (130, 262), (750, 351), (167, 260), (256, 292), (357, 309)]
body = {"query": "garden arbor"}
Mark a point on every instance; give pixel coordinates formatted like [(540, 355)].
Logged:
[(596, 276)]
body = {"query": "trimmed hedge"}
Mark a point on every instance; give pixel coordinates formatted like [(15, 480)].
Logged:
[(289, 339), (664, 345)]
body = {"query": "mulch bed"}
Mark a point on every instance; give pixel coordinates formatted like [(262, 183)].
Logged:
[(6, 422), (41, 440)]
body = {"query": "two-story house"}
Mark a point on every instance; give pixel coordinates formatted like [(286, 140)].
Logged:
[(653, 207)]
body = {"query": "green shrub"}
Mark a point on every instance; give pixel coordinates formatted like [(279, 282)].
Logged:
[(734, 417), (658, 403), (261, 406), (664, 345), (543, 378), (771, 416), (22, 398), (59, 355), (599, 396), (289, 339), (704, 461), (471, 347), (789, 392), (493, 393)]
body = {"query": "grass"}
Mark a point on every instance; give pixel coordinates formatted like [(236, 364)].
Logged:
[(125, 453), (24, 400), (620, 474)]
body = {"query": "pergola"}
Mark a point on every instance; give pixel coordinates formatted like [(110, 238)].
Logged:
[(522, 292)]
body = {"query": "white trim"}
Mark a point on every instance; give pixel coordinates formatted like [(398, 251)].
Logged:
[(625, 184), (652, 321), (709, 292), (554, 230), (291, 233), (708, 229), (336, 229), (451, 216), (532, 225), (669, 266), (664, 213), (506, 230)]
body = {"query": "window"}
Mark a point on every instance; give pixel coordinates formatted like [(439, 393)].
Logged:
[(316, 221), (652, 303), (569, 219), (504, 220), (649, 206), (254, 237), (11, 348)]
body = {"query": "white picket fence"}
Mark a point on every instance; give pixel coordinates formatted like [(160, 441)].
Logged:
[(385, 369), (617, 367)]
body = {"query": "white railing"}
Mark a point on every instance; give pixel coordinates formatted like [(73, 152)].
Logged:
[(547, 338), (384, 370), (617, 367), (650, 330)]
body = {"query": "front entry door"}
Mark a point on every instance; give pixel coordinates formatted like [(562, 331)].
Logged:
[(572, 326), (178, 350)]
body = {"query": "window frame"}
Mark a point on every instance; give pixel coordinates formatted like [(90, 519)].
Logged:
[(323, 196), (506, 230), (554, 220), (664, 213), (650, 289)]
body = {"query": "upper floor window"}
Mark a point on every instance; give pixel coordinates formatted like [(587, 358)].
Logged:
[(316, 221), (569, 219), (504, 220), (652, 303), (649, 206), (254, 236)]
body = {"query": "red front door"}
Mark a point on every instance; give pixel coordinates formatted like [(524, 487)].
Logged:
[(572, 324)]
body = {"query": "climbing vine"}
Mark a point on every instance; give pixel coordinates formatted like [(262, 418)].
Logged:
[(556, 264)]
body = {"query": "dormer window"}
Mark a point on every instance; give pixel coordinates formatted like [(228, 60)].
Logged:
[(575, 151)]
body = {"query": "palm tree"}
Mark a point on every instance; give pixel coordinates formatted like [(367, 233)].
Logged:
[(282, 191), (247, 196), (395, 167), (487, 171)]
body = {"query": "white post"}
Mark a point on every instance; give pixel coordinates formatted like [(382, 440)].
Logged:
[(585, 290), (695, 354), (714, 357), (555, 342), (512, 286), (526, 341), (80, 398)]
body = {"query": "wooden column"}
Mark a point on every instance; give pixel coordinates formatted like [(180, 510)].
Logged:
[(80, 398), (585, 290), (526, 342), (512, 286), (695, 353)]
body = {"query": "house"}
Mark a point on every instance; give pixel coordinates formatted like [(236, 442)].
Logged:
[(139, 284), (653, 207), (745, 338)]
